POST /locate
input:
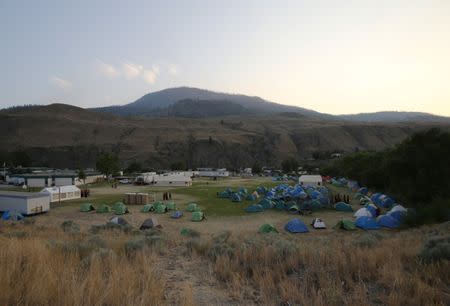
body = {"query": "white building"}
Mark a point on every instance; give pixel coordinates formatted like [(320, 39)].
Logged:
[(27, 203), (62, 193), (310, 180), (167, 180), (211, 172)]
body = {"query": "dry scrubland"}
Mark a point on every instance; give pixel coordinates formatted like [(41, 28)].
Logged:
[(61, 265)]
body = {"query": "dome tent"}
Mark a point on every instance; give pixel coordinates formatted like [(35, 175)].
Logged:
[(103, 208), (372, 209), (254, 208), (149, 224), (388, 221), (296, 226), (86, 207), (171, 205), (363, 212), (191, 207), (147, 208), (176, 214), (121, 210), (317, 223), (235, 197), (250, 197), (398, 207), (345, 224), (363, 190), (12, 215), (341, 206), (161, 209), (267, 228), (197, 216), (118, 220), (266, 203), (367, 223)]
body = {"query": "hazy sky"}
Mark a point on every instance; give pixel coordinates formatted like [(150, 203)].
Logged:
[(331, 56)]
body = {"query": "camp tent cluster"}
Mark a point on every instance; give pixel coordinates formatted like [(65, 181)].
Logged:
[(282, 197), (118, 208)]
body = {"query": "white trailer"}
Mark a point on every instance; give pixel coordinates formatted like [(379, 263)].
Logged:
[(27, 203), (310, 180)]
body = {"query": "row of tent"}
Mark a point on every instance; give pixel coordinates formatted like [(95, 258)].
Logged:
[(12, 215), (158, 207), (293, 226)]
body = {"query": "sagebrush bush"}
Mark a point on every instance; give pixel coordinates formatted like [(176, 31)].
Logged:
[(70, 227), (436, 249)]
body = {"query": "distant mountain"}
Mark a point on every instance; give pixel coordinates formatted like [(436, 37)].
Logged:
[(189, 108), (394, 117), (154, 103)]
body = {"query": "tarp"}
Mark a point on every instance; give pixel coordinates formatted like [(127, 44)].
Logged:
[(13, 215), (86, 207), (388, 221), (341, 206), (197, 216), (147, 208), (103, 208), (149, 224), (254, 208), (267, 228), (367, 223), (296, 226), (345, 224), (176, 214)]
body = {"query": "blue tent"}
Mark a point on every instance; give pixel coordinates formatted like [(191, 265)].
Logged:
[(266, 203), (387, 202), (250, 197), (315, 194), (254, 208), (280, 205), (296, 226), (341, 206), (388, 221), (12, 215), (176, 214), (363, 190), (398, 215), (372, 210), (235, 197), (242, 190), (367, 223), (261, 190), (315, 205)]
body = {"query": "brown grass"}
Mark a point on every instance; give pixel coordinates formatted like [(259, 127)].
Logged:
[(44, 266)]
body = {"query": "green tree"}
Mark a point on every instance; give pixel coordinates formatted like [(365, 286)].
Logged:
[(134, 167), (82, 176), (107, 164), (256, 168), (289, 165), (179, 165)]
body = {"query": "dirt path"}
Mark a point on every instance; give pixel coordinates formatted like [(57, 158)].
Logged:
[(189, 282)]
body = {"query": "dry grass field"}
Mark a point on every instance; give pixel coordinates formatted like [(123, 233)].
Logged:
[(223, 261)]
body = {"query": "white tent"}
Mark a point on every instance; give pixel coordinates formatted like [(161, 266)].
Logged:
[(362, 212), (62, 193), (318, 224), (397, 208), (310, 180)]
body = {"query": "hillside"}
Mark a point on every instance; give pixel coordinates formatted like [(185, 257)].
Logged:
[(157, 104), (152, 103), (66, 136)]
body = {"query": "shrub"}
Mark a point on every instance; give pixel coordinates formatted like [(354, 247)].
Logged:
[(220, 249), (70, 227), (436, 249), (29, 221), (188, 232), (365, 241), (17, 234)]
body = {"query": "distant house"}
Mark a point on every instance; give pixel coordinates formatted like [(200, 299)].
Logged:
[(27, 203), (53, 178), (310, 180)]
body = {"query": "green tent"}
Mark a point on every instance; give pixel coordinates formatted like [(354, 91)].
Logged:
[(171, 205), (86, 207), (267, 228), (161, 209), (341, 206), (104, 208), (293, 208), (315, 205), (120, 209), (347, 225), (147, 208), (192, 207), (116, 205), (197, 216)]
